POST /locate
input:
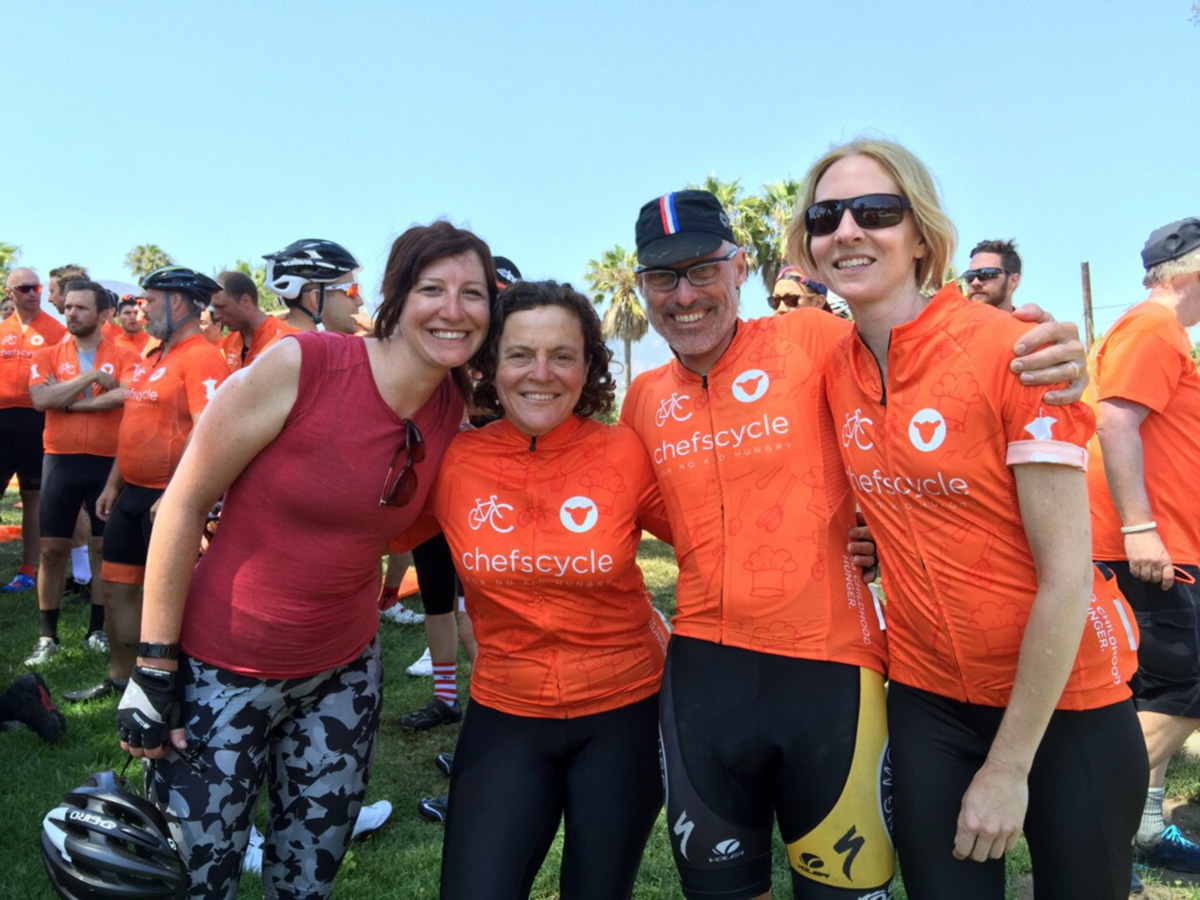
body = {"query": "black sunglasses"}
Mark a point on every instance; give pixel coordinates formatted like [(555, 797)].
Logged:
[(405, 485), (27, 288), (988, 273), (869, 211)]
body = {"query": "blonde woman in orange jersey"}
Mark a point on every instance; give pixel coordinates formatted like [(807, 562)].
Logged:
[(1009, 652), (543, 511)]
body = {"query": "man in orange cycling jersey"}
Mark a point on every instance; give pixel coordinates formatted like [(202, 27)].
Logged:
[(21, 426), (77, 384), (167, 393), (1144, 495), (251, 331), (133, 336), (772, 698)]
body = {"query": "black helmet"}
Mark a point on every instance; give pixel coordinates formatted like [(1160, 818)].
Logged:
[(102, 841), (311, 260), (181, 280)]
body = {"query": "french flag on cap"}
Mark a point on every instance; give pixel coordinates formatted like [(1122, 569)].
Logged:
[(666, 207)]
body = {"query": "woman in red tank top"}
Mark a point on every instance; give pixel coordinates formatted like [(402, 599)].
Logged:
[(263, 664)]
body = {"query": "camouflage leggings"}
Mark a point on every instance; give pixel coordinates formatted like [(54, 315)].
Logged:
[(311, 738)]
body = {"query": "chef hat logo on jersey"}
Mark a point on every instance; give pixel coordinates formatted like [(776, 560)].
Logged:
[(578, 514), (750, 385), (927, 430)]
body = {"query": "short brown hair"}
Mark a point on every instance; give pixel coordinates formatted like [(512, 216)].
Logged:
[(238, 284), (598, 388), (69, 272), (99, 292)]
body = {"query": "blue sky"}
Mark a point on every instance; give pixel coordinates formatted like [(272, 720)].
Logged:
[(222, 131)]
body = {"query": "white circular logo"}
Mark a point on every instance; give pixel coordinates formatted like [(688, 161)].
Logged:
[(927, 430), (578, 514), (158, 373), (107, 368), (750, 385), (37, 340)]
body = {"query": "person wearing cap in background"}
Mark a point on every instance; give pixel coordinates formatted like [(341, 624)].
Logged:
[(1144, 494), (772, 703), (993, 274), (793, 290)]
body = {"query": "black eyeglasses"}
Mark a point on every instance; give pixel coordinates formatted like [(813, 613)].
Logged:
[(869, 211), (402, 489), (27, 288), (698, 274), (988, 273)]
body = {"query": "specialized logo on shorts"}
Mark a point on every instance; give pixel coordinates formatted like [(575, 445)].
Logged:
[(727, 850), (927, 430), (683, 828), (37, 340), (854, 431), (750, 385), (670, 409), (1042, 428), (210, 385), (850, 844), (158, 373), (578, 514), (491, 512)]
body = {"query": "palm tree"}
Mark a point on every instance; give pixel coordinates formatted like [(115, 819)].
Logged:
[(611, 278), (145, 258), (9, 253), (773, 210)]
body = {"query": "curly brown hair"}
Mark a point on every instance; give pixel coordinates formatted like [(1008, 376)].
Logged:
[(599, 389)]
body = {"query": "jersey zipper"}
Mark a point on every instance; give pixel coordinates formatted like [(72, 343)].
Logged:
[(724, 524)]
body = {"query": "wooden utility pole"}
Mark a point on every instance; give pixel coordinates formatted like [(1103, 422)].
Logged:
[(1087, 304)]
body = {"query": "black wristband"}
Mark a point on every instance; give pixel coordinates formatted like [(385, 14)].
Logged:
[(158, 651)]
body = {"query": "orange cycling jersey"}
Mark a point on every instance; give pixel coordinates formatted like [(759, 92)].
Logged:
[(759, 506), (1146, 359), (136, 342), (929, 461), (167, 390), (238, 355), (18, 343), (110, 330), (82, 432), (544, 533)]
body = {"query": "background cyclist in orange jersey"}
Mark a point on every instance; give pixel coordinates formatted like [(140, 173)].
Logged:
[(543, 511), (1004, 710)]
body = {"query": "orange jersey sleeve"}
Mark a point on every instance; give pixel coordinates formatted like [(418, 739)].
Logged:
[(18, 343), (756, 497), (930, 457), (545, 542), (165, 393), (1146, 359)]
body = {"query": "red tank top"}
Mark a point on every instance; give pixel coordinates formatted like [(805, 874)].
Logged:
[(288, 587)]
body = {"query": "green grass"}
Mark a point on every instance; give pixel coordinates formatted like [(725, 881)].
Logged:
[(403, 859)]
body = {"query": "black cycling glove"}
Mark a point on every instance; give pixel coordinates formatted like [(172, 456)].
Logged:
[(149, 709)]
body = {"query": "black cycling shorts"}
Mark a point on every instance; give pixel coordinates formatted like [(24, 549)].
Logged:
[(436, 578), (21, 447), (1168, 675), (71, 480), (516, 777), (747, 735), (1086, 792), (127, 537)]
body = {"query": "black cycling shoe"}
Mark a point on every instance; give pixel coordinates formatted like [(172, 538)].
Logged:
[(106, 688), (77, 591), (434, 808), (444, 761), (435, 712), (30, 701)]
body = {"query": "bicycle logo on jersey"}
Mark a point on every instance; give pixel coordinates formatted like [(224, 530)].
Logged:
[(854, 431), (671, 409), (491, 512)]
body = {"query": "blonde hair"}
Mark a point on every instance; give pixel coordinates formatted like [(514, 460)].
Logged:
[(916, 185), (1188, 264)]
